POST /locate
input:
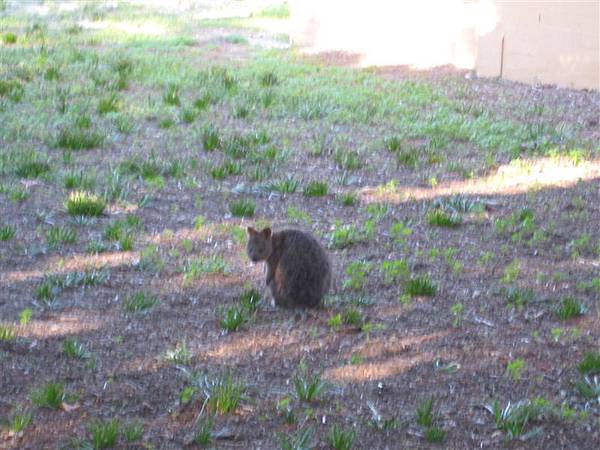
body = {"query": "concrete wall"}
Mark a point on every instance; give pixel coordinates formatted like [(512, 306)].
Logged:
[(549, 42)]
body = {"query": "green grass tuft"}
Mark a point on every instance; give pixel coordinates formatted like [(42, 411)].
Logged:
[(140, 302), (233, 320), (56, 236), (78, 139), (104, 433), (75, 349), (570, 308), (7, 333), (81, 203), (340, 439), (50, 395), (7, 232), (440, 218), (32, 169), (420, 287), (590, 364), (242, 208), (316, 189), (224, 394)]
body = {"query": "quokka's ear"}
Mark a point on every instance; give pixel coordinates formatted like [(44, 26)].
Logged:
[(266, 232), (251, 231)]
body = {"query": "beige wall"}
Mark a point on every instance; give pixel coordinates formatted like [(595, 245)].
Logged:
[(533, 41), (548, 42)]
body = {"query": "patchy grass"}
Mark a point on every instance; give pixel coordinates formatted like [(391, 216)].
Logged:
[(242, 208), (50, 395), (175, 136), (81, 203)]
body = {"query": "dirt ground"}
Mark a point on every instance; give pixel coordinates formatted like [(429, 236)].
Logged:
[(377, 375)]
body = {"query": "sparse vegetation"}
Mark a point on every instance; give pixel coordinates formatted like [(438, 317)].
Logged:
[(139, 140), (81, 203), (50, 395), (104, 433), (242, 208), (140, 302), (420, 286), (316, 189)]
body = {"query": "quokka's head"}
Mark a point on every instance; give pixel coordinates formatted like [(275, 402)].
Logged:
[(259, 245)]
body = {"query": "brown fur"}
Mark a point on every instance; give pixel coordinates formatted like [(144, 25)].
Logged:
[(298, 269)]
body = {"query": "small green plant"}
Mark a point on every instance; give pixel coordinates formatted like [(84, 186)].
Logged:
[(202, 102), (420, 287), (440, 218), (514, 417), (242, 208), (7, 232), (211, 139), (519, 298), (341, 439), (122, 231), (78, 139), (352, 317), (308, 387), (357, 272), (285, 408), (434, 434), (457, 310), (315, 189), (298, 215), (515, 368), (203, 433), (32, 168), (233, 320), (590, 364), (302, 439), (344, 236), (171, 95), (511, 272), (133, 431), (9, 38), (7, 333), (19, 420), (408, 158), (268, 79), (378, 212), (108, 104), (289, 185), (589, 388), (81, 203), (249, 300), (78, 180), (224, 394), (104, 433), (393, 143), (335, 321), (188, 115), (570, 308), (140, 302), (424, 414), (25, 316), (347, 159), (179, 355), (394, 271), (348, 199), (75, 349), (203, 265), (56, 236), (51, 395)]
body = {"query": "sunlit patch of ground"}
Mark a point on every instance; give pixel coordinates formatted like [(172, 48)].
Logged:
[(509, 179), (66, 324)]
